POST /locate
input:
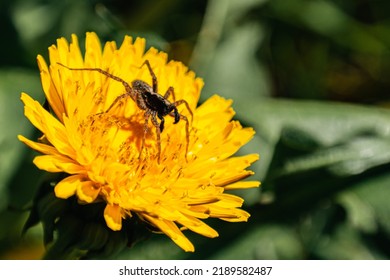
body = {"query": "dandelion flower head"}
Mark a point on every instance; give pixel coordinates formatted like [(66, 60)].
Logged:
[(99, 150)]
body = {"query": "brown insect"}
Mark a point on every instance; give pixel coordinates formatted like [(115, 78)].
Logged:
[(148, 99)]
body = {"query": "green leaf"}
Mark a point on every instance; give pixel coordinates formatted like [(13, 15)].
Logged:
[(269, 241), (347, 138), (225, 51), (345, 244), (369, 208), (16, 184), (13, 121)]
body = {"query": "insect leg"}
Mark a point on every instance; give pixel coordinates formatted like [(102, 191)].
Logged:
[(154, 78), (161, 123), (170, 91), (129, 90), (146, 116), (125, 84), (158, 132), (182, 101), (184, 118), (120, 97)]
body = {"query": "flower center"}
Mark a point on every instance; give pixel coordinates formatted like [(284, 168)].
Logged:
[(118, 138)]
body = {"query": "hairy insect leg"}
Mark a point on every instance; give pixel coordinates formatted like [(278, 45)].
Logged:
[(170, 91), (129, 90), (150, 114), (154, 78), (101, 71), (182, 101), (162, 122), (158, 132), (146, 120), (184, 118), (120, 97)]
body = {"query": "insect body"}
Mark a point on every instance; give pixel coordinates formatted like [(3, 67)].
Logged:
[(148, 99), (153, 102)]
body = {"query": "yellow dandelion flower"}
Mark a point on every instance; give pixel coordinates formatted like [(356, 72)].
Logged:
[(109, 156)]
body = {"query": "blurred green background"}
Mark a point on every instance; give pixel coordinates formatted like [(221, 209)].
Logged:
[(311, 76)]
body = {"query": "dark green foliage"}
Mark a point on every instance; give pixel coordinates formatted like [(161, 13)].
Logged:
[(293, 69)]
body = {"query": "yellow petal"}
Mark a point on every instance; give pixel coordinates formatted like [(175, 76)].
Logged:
[(48, 86), (39, 147), (87, 191), (75, 57), (50, 126), (197, 226), (172, 231), (93, 54), (58, 163), (113, 217), (242, 185), (238, 216), (67, 187), (63, 51)]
